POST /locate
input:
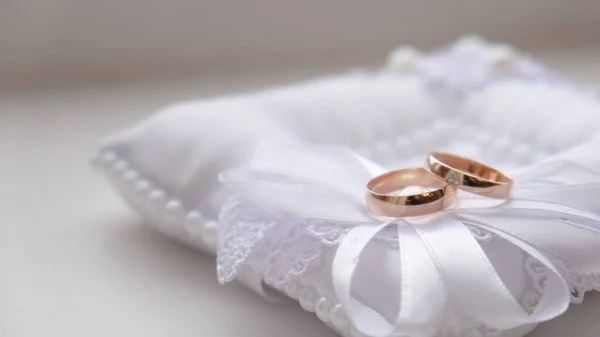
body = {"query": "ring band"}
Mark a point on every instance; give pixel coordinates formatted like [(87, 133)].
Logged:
[(381, 199), (469, 175)]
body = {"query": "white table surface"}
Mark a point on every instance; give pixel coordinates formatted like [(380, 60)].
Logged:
[(75, 261)]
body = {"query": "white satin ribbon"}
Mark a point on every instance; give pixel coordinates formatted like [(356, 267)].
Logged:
[(474, 283), (440, 259), (422, 292)]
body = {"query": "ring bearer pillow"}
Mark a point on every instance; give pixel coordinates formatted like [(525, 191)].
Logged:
[(273, 183)]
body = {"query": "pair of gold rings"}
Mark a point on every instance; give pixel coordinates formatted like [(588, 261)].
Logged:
[(442, 175)]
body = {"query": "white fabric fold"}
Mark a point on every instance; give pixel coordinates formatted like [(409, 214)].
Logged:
[(556, 296), (422, 294), (555, 173), (473, 282), (551, 227), (344, 265), (294, 198), (554, 237), (309, 165), (525, 207), (582, 196)]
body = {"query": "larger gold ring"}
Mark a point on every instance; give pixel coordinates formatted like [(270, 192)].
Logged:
[(382, 197), (469, 175)]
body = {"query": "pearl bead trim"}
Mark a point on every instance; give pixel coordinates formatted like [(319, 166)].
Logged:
[(165, 213)]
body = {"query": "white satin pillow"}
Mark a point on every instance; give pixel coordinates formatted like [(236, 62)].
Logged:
[(166, 167)]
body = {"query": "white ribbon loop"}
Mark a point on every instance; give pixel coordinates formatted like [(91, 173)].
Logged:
[(554, 237), (422, 293), (582, 196), (311, 166), (550, 227), (556, 173), (344, 265), (470, 276), (556, 296), (295, 199), (473, 281)]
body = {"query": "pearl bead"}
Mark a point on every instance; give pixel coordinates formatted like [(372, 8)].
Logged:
[(469, 44), (108, 157), (403, 58), (293, 289), (339, 319), (120, 166), (308, 299), (130, 176), (143, 186), (193, 223), (174, 212), (209, 234), (323, 310), (157, 197), (501, 58)]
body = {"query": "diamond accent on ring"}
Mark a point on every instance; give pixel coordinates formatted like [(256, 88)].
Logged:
[(452, 179)]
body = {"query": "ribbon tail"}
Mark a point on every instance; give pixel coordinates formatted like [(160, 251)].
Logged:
[(556, 296), (473, 281), (574, 243), (527, 208), (328, 166), (562, 231), (284, 198), (345, 262), (558, 173), (422, 294), (584, 196)]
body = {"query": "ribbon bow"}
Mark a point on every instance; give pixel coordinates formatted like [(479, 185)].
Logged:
[(553, 215)]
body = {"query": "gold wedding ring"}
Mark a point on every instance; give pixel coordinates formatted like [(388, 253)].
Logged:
[(383, 199), (468, 175)]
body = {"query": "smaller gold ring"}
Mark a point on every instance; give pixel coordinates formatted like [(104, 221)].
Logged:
[(469, 175), (381, 199)]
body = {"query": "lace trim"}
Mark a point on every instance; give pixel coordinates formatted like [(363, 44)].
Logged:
[(330, 234), (278, 249), (241, 229), (579, 284)]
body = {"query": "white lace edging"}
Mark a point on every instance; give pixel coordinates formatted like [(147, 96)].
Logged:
[(579, 284), (279, 250)]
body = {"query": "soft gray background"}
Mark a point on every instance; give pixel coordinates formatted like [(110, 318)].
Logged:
[(74, 260), (58, 42)]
